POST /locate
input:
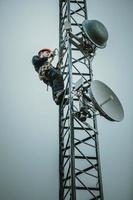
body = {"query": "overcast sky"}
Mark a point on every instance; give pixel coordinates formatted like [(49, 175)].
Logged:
[(29, 117)]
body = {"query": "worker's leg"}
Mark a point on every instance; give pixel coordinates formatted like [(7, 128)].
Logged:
[(57, 84), (58, 89)]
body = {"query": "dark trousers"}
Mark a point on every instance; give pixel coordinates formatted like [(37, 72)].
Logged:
[(55, 80)]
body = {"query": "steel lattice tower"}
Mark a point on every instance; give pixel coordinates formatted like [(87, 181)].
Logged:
[(79, 162)]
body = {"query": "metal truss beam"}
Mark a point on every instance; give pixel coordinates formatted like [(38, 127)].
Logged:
[(79, 161)]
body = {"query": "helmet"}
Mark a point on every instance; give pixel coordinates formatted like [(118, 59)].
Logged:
[(45, 49)]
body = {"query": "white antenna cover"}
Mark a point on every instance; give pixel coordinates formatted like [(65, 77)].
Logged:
[(105, 101)]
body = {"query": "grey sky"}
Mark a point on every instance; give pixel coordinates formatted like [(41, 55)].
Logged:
[(29, 117)]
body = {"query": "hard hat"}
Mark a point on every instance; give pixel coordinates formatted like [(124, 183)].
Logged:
[(45, 49)]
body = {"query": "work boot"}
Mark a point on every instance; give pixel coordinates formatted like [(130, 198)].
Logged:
[(58, 97)]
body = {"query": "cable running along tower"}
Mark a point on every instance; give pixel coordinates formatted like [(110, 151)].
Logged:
[(79, 160)]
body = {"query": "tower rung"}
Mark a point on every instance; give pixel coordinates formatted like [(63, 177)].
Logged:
[(81, 157), (83, 188), (74, 24), (74, 73), (77, 1), (78, 128)]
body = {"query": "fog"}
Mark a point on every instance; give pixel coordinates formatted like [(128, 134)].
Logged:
[(29, 117)]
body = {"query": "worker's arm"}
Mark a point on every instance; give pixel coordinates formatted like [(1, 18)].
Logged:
[(38, 62)]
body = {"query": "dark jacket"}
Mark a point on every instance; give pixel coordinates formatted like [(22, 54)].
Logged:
[(55, 78), (38, 62)]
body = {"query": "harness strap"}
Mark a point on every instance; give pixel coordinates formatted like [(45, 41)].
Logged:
[(44, 68)]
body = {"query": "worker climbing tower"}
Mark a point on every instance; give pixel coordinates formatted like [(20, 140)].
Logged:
[(80, 100), (79, 159)]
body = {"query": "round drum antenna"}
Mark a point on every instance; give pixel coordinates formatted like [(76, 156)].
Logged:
[(105, 101)]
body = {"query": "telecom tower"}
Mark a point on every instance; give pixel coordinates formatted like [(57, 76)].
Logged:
[(79, 160)]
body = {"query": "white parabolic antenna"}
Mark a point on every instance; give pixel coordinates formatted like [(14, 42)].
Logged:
[(105, 101)]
